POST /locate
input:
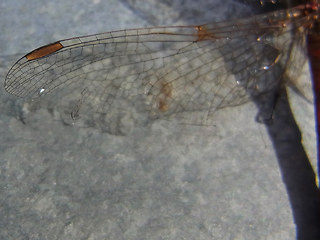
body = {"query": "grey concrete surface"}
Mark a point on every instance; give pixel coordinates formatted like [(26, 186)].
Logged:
[(233, 180)]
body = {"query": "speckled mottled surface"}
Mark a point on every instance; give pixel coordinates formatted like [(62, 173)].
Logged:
[(232, 180)]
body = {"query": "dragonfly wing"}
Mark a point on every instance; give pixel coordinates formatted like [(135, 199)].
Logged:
[(144, 74)]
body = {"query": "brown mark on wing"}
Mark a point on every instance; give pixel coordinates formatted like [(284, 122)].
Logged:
[(44, 51), (164, 96), (203, 34)]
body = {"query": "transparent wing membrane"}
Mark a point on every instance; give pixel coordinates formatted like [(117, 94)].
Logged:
[(164, 72)]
